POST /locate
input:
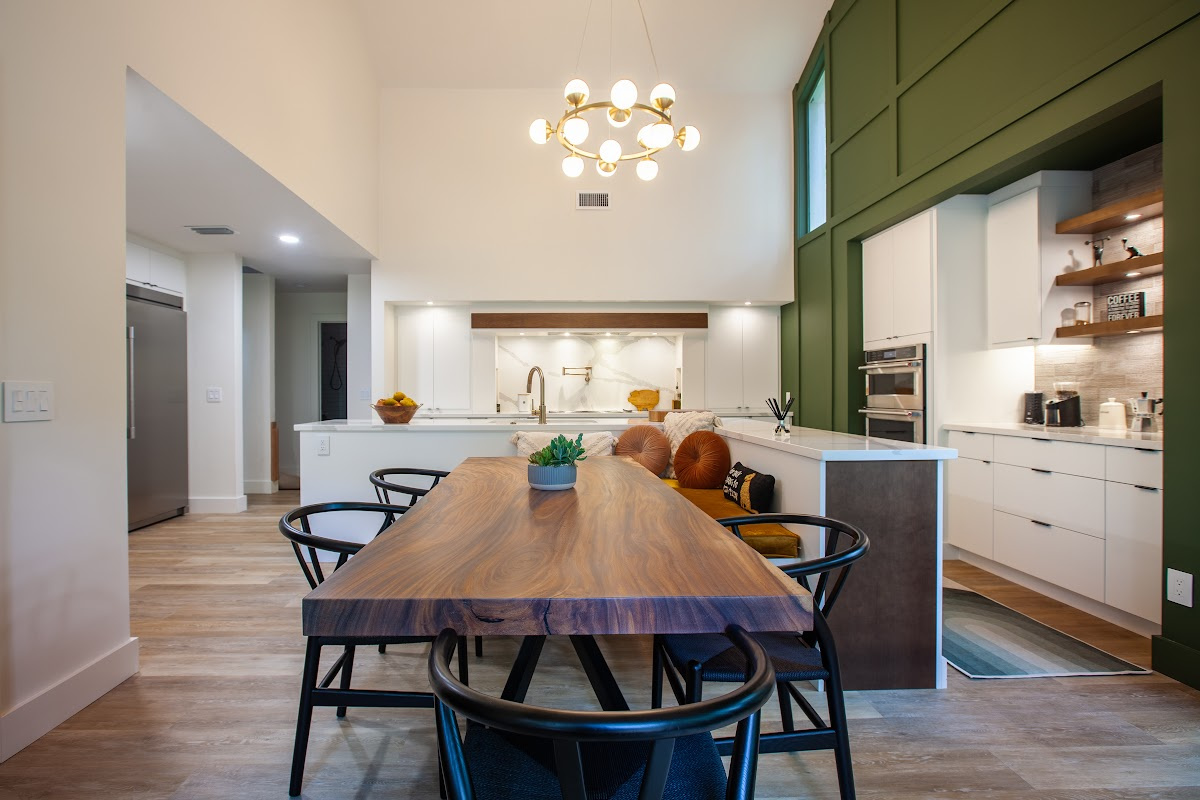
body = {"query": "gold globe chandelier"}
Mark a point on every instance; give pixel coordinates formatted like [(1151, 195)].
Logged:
[(654, 134)]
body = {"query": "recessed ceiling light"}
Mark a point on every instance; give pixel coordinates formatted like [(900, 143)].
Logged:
[(428, 302), (289, 238), (747, 302), (566, 333), (1133, 216), (654, 333), (608, 333), (1132, 274)]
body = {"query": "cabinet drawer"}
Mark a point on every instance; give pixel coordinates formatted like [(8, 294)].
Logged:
[(1074, 458), (969, 505), (971, 445), (1133, 568), (1062, 557), (1065, 501), (1131, 465)]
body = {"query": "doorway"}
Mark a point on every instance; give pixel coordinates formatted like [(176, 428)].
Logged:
[(333, 370)]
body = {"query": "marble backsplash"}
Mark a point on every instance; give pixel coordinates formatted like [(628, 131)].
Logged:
[(619, 365)]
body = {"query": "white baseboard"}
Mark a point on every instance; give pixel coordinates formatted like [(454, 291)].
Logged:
[(1116, 616), (260, 487), (24, 724), (217, 505)]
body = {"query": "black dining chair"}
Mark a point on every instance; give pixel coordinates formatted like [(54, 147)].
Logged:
[(517, 751), (315, 552), (688, 660)]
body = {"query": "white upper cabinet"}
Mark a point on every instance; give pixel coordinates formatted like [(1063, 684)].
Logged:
[(898, 281), (433, 356), (741, 357), (154, 270), (1025, 255)]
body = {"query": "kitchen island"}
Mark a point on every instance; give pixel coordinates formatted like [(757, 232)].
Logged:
[(888, 619)]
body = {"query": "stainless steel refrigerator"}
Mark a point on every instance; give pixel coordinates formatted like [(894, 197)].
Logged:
[(156, 374)]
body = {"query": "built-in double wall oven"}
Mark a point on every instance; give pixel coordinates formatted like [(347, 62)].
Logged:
[(895, 381)]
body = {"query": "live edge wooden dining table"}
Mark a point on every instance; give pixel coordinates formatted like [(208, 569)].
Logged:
[(621, 553)]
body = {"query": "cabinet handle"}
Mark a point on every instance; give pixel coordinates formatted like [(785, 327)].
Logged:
[(1146, 488), (1041, 471), (1147, 450), (1043, 524), (1036, 439), (985, 462)]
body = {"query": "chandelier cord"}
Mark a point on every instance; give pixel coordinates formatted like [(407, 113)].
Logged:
[(646, 28), (583, 39)]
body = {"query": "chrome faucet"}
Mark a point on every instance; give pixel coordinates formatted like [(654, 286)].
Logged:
[(541, 392)]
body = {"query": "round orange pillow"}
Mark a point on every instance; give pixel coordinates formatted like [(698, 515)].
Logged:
[(702, 461), (646, 445)]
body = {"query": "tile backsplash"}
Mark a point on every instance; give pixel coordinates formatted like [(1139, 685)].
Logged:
[(619, 365), (1115, 366)]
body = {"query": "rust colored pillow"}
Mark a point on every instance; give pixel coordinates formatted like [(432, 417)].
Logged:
[(702, 461), (646, 445)]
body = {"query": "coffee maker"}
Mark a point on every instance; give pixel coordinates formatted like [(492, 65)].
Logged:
[(1064, 410), (1143, 407)]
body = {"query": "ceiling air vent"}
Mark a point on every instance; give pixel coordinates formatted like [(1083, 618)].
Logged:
[(596, 200), (212, 230)]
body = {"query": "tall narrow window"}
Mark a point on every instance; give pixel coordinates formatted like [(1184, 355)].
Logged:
[(815, 153)]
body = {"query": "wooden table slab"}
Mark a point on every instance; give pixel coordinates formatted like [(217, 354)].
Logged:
[(620, 553)]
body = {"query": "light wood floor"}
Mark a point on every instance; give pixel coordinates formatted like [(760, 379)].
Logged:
[(216, 604)]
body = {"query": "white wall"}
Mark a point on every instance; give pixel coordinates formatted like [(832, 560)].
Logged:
[(281, 81), (215, 434), (258, 381), (472, 210), (297, 364), (358, 347)]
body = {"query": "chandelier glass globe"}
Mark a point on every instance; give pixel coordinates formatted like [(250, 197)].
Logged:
[(576, 93), (647, 169), (540, 131), (575, 130), (618, 117), (662, 96), (606, 168), (660, 134), (624, 94), (689, 138), (610, 151), (572, 166)]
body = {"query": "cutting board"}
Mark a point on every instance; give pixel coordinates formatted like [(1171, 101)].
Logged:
[(643, 399)]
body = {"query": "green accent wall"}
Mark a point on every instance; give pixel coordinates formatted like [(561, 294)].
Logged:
[(932, 98)]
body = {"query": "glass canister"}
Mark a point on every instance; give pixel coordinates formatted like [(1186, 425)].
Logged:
[(1083, 312)]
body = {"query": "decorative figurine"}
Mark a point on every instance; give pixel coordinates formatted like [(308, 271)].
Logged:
[(1097, 249), (1133, 251)]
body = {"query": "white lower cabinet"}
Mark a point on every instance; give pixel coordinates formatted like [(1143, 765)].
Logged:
[(969, 505), (1086, 517), (1066, 558), (1133, 571)]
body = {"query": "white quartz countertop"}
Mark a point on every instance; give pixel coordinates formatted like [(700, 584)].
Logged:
[(830, 445), (606, 414), (1088, 435), (481, 424)]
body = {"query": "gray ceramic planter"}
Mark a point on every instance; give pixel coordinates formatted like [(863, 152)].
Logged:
[(552, 478)]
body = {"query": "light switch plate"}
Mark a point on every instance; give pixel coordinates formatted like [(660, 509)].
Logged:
[(28, 401), (1179, 587), (213, 394)]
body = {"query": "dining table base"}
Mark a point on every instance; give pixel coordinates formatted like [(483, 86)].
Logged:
[(598, 673)]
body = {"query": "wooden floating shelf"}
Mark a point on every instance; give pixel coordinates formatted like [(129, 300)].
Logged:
[(613, 321), (1113, 216), (1116, 271), (1154, 322)]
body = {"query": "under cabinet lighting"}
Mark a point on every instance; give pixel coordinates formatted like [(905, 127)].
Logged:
[(1132, 274), (747, 302), (1133, 331), (428, 302), (1133, 216), (608, 333), (289, 238)]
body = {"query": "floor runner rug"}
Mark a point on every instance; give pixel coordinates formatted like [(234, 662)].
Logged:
[(983, 639)]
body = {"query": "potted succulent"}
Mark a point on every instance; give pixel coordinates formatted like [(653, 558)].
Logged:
[(553, 467)]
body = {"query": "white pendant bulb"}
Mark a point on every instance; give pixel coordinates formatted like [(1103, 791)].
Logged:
[(624, 94), (662, 96), (576, 93), (688, 138), (572, 166), (606, 168), (610, 151), (660, 134), (540, 131), (575, 130), (647, 169)]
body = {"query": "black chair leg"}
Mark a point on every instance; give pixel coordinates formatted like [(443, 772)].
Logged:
[(695, 684), (462, 660), (656, 677), (312, 663), (479, 647), (347, 669), (837, 709), (383, 648), (785, 707)]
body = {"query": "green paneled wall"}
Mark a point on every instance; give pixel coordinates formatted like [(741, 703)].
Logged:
[(932, 98)]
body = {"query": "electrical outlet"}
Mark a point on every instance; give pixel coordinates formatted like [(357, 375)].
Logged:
[(364, 395), (1179, 587), (323, 445)]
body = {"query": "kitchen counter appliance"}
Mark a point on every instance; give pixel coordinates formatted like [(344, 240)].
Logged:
[(1064, 411), (895, 385)]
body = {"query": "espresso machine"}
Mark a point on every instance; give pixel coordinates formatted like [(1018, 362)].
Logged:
[(1143, 410), (1064, 410)]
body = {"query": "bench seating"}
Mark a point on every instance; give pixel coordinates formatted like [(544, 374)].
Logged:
[(771, 540)]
